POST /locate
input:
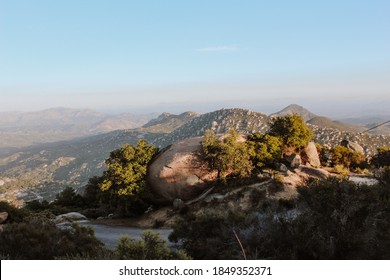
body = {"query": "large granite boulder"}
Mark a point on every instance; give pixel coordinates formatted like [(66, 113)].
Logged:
[(353, 146), (310, 155), (180, 172)]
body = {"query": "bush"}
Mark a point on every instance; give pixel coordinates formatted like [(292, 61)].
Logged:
[(209, 235), (150, 247), (37, 237), (341, 170), (69, 198), (382, 157), (331, 219), (14, 214), (264, 150), (344, 156)]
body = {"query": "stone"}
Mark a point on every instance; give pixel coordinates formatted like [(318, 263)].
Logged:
[(353, 146), (311, 155), (180, 172), (294, 160), (178, 204), (3, 217), (283, 168), (70, 217)]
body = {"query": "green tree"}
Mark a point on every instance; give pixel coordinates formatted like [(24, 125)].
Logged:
[(228, 156), (292, 130), (126, 169), (69, 198), (264, 150)]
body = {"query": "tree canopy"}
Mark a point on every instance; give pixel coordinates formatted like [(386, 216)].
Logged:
[(292, 130), (227, 156), (126, 169), (264, 150)]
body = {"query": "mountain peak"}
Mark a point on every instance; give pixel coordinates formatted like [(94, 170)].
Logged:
[(295, 109)]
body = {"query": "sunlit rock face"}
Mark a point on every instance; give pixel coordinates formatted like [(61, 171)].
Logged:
[(180, 171)]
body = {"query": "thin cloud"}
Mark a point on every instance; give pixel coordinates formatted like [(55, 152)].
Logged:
[(225, 48)]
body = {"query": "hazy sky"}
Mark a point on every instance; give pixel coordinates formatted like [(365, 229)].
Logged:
[(174, 55)]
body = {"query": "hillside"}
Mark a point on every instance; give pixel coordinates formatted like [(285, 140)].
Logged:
[(167, 122), (325, 122), (44, 170), (221, 121)]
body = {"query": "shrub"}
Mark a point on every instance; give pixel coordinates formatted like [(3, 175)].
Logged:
[(14, 214), (37, 237), (341, 170), (150, 247), (344, 156), (264, 150), (209, 235), (69, 198), (382, 157)]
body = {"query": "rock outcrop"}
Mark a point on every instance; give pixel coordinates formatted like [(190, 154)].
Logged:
[(180, 172), (353, 146), (310, 155)]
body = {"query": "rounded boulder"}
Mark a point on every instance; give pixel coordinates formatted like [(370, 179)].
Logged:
[(180, 172)]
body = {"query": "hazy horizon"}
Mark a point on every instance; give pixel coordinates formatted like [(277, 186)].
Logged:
[(333, 58)]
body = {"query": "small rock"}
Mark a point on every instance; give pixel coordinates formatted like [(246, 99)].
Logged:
[(149, 210), (283, 168), (178, 204), (3, 217)]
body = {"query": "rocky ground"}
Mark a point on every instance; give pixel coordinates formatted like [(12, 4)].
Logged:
[(246, 197)]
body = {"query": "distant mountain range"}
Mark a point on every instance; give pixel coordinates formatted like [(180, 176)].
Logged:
[(43, 170), (357, 124), (21, 129)]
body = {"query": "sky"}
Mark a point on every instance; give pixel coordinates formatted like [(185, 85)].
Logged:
[(332, 57)]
